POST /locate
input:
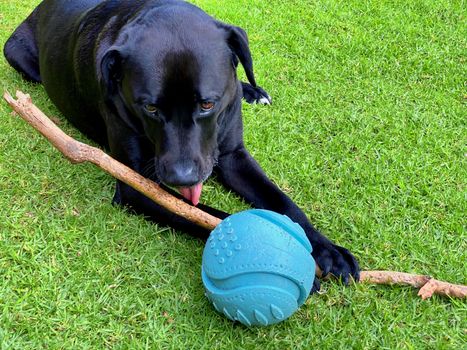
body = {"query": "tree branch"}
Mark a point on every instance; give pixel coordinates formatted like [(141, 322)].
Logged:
[(427, 285), (78, 152)]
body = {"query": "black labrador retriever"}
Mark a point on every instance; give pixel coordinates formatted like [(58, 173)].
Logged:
[(155, 82)]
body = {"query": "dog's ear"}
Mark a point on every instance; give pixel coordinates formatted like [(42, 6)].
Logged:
[(111, 70), (238, 43)]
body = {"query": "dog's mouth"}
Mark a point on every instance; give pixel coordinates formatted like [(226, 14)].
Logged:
[(190, 189), (192, 193)]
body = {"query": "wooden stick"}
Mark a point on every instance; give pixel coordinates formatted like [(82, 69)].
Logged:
[(78, 152), (427, 285)]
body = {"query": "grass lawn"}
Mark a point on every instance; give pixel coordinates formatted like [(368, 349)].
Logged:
[(367, 133)]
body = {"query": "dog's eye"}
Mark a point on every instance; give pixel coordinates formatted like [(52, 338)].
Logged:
[(207, 106), (152, 109)]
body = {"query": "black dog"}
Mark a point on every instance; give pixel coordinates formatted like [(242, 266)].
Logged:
[(155, 82)]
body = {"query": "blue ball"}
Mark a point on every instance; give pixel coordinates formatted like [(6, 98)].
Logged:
[(257, 267)]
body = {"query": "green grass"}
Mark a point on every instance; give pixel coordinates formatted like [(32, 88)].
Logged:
[(367, 133)]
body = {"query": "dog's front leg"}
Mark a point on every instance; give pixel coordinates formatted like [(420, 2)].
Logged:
[(240, 172)]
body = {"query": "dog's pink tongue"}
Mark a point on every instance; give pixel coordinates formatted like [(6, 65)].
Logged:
[(191, 193)]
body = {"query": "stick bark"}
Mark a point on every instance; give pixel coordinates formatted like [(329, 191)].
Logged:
[(78, 152)]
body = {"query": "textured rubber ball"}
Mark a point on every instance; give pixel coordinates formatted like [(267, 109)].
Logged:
[(257, 267)]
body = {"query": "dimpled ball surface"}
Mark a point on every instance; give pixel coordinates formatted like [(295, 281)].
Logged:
[(257, 268)]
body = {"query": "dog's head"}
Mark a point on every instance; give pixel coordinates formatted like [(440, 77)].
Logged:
[(171, 76)]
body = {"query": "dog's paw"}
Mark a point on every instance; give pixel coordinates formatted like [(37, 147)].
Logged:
[(117, 199), (316, 286), (255, 95), (337, 261)]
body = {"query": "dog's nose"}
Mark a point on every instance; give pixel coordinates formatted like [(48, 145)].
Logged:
[(182, 174)]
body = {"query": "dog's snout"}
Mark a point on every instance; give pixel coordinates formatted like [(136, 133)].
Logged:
[(182, 170), (181, 173)]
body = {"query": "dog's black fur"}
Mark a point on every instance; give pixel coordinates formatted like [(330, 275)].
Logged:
[(135, 76)]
